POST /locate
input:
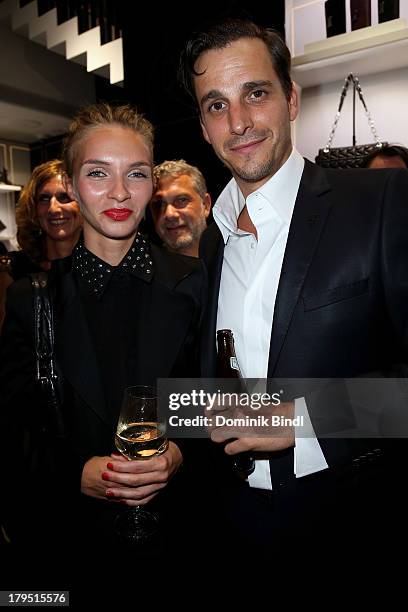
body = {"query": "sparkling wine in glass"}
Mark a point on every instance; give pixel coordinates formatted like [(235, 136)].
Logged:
[(140, 436)]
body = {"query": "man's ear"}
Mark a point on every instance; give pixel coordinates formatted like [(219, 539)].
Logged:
[(293, 103), (207, 204), (205, 133)]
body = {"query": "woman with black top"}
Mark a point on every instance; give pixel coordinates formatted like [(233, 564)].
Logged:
[(126, 314)]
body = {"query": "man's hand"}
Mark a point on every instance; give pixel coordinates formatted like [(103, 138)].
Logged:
[(263, 438), (133, 483)]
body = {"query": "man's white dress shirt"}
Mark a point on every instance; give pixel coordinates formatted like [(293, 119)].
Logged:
[(249, 284)]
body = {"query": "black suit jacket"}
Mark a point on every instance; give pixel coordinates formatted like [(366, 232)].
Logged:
[(341, 307), (165, 346)]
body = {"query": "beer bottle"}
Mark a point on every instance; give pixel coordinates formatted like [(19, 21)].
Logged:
[(227, 367)]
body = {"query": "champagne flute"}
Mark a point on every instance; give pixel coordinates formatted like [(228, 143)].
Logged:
[(140, 436)]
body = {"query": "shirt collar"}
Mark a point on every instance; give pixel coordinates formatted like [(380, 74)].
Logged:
[(280, 191), (96, 273)]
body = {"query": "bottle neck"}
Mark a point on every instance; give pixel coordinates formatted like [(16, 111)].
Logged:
[(225, 342)]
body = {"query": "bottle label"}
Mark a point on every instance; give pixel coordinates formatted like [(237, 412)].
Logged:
[(234, 363)]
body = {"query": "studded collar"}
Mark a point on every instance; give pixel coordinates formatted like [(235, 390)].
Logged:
[(96, 273)]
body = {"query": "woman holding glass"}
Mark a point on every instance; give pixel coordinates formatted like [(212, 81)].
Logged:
[(126, 313)]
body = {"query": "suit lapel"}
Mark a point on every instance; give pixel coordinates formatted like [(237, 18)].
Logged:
[(213, 254), (309, 216), (75, 351)]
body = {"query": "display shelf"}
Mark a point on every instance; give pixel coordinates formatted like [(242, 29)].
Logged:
[(9, 188), (370, 50)]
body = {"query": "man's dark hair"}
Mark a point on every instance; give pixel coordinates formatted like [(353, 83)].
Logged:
[(223, 33), (388, 151)]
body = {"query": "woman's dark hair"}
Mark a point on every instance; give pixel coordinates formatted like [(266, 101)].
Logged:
[(223, 33), (389, 151)]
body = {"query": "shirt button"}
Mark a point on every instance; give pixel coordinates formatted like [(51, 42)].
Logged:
[(252, 245)]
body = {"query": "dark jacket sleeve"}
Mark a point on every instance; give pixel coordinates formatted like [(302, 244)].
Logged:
[(20, 402), (34, 477), (17, 371)]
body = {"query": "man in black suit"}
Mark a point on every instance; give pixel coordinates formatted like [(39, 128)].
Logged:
[(308, 268)]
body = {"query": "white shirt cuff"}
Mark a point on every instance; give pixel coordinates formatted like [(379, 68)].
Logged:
[(261, 476), (309, 457)]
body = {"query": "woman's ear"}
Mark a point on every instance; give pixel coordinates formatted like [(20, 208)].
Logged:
[(68, 186)]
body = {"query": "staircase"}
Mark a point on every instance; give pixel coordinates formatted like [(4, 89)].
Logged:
[(64, 38)]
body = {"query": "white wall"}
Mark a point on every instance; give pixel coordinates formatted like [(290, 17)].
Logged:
[(386, 95)]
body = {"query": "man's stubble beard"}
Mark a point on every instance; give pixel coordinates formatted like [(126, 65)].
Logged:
[(192, 235), (265, 169), (256, 174)]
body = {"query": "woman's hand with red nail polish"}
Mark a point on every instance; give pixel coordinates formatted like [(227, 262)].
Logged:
[(96, 479), (138, 482)]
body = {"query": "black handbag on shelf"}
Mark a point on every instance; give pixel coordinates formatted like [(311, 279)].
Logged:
[(355, 155), (46, 372)]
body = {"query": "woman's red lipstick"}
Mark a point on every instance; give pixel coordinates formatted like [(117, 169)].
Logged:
[(118, 214)]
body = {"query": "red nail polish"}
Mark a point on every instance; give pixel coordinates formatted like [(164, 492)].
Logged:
[(109, 466), (110, 494), (105, 476)]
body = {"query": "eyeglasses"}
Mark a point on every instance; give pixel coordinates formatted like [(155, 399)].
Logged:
[(62, 197)]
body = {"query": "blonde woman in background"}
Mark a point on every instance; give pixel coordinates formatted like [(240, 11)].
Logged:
[(48, 226)]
